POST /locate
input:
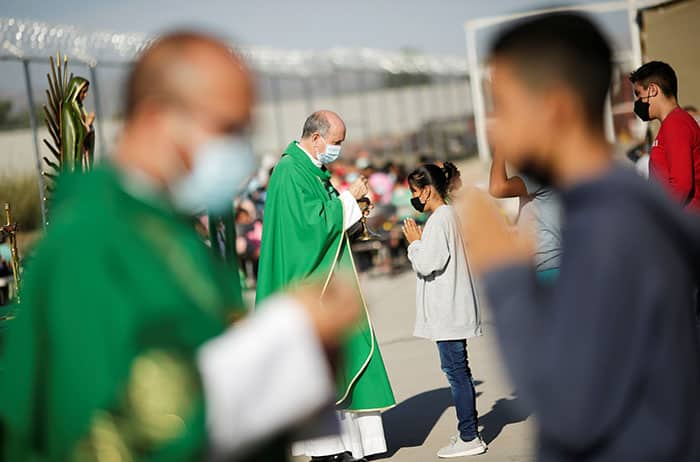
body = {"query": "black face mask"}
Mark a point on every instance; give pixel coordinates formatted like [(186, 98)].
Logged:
[(417, 204), (642, 109)]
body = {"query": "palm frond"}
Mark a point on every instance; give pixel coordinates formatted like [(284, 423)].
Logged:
[(53, 151), (52, 123), (51, 164), (57, 82)]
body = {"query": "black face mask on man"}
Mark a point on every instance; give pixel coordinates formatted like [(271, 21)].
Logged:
[(641, 109)]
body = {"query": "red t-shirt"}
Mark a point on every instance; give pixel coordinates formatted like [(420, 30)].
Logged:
[(675, 158)]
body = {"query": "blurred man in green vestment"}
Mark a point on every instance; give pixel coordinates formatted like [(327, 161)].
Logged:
[(120, 349), (305, 236)]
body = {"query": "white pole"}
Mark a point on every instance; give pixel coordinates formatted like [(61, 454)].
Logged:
[(634, 34), (636, 53), (477, 94), (102, 151), (609, 120), (605, 7), (35, 138)]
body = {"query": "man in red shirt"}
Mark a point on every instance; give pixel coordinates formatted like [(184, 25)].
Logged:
[(675, 154)]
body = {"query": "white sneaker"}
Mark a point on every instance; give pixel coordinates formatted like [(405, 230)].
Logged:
[(459, 448)]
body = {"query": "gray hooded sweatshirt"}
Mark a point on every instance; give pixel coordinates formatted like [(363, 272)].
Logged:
[(447, 307)]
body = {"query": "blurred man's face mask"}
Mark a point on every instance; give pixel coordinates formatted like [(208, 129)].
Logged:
[(222, 165), (537, 174)]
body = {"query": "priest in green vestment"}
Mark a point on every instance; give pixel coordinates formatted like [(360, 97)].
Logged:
[(305, 237), (120, 349)]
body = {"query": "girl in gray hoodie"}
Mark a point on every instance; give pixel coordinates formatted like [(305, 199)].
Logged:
[(447, 308)]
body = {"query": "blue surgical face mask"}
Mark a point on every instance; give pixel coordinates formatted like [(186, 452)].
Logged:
[(222, 168), (330, 155)]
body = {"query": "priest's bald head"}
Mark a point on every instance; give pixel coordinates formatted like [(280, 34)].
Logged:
[(322, 135), (185, 90)]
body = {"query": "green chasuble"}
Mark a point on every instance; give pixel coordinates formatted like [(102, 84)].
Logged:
[(99, 363), (304, 237)]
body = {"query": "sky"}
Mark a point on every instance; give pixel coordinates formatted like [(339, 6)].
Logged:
[(433, 26)]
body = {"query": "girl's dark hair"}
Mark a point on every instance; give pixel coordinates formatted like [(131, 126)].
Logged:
[(432, 175)]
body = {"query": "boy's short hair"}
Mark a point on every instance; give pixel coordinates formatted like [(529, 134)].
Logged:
[(659, 73), (561, 48)]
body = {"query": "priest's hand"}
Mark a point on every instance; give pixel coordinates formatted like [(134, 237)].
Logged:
[(333, 313), (491, 242), (411, 230), (359, 188)]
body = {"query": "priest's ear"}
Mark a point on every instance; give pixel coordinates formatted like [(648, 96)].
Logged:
[(317, 141)]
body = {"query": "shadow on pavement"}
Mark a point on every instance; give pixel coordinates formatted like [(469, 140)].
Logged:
[(504, 412), (411, 421)]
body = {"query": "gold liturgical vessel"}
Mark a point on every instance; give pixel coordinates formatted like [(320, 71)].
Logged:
[(367, 234)]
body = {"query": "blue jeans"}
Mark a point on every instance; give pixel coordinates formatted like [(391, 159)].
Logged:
[(455, 365)]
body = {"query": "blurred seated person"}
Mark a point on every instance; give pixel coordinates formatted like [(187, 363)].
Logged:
[(639, 154), (5, 258), (249, 232), (381, 182), (5, 272), (401, 196)]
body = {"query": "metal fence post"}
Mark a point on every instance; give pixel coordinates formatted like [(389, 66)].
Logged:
[(421, 133), (276, 101), (98, 112), (35, 137), (336, 89), (308, 93), (364, 103), (478, 106), (387, 125), (405, 132)]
